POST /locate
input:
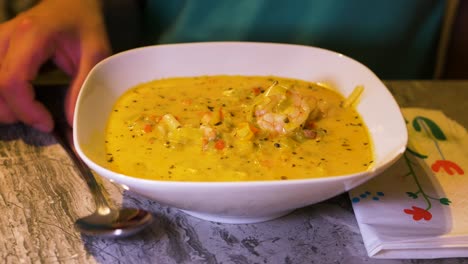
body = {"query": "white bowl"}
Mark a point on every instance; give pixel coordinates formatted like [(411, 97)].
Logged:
[(237, 202)]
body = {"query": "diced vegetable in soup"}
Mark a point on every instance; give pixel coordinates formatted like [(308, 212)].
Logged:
[(235, 128)]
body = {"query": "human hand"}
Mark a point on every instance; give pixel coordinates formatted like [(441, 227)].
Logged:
[(71, 33)]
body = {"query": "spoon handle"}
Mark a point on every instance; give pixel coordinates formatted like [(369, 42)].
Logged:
[(64, 136)]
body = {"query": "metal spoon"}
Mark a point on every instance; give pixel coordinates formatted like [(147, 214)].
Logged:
[(105, 221)]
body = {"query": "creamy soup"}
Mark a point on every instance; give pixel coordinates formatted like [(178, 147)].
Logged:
[(235, 128)]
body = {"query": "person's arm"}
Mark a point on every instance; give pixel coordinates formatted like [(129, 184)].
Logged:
[(71, 33)]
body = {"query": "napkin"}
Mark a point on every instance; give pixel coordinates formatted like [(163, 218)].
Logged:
[(418, 208)]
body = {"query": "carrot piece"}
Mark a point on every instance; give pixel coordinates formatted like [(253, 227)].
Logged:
[(148, 128), (256, 90), (220, 144), (254, 129)]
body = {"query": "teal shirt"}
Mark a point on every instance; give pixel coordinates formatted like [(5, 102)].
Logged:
[(397, 39)]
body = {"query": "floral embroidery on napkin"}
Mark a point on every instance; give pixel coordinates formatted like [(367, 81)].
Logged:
[(367, 194), (434, 132), (424, 213), (417, 212), (431, 130)]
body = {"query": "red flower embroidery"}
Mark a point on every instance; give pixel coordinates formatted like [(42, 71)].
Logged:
[(419, 213), (447, 166)]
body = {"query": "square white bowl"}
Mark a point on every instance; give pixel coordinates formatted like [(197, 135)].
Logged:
[(237, 202)]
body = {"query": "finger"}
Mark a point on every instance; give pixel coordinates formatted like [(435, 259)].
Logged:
[(29, 48), (5, 33), (6, 115), (94, 50), (64, 62), (67, 53)]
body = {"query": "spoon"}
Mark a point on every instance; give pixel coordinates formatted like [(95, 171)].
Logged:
[(106, 221)]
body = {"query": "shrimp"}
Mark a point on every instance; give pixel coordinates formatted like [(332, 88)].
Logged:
[(281, 110), (209, 133)]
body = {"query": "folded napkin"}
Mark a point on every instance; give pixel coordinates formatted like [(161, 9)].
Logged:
[(418, 208)]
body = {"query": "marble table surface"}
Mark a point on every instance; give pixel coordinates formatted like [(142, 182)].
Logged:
[(41, 195)]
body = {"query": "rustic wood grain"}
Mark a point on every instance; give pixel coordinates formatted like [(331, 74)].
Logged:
[(41, 195)]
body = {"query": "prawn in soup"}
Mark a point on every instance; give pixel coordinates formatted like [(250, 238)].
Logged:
[(235, 128)]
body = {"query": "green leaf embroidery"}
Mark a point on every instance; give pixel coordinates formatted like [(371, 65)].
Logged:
[(435, 129), (445, 201), (417, 154), (412, 195)]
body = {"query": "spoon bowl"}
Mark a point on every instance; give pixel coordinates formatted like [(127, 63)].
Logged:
[(106, 221), (123, 222)]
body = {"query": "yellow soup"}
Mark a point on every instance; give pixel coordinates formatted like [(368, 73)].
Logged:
[(235, 128)]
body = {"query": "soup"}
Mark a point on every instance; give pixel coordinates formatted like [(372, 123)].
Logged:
[(235, 128)]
